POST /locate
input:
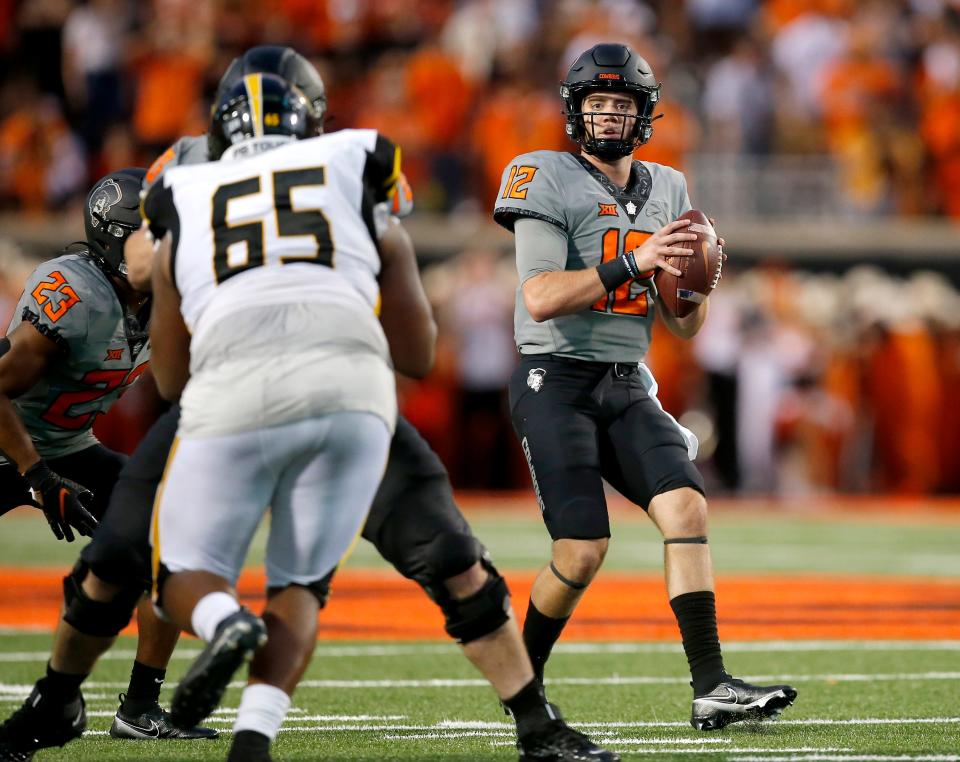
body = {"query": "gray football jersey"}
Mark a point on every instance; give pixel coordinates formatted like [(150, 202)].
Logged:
[(190, 149), (70, 301), (600, 221)]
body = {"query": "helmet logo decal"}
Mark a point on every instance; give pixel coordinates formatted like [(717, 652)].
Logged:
[(103, 198), (608, 75)]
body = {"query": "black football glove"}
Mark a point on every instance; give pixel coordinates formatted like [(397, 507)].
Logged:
[(64, 502)]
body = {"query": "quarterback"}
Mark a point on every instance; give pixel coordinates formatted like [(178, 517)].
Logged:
[(590, 231)]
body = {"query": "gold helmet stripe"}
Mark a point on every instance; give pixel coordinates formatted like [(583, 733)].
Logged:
[(254, 85)]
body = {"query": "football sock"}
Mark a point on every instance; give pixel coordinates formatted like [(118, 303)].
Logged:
[(696, 614), (529, 707), (540, 632), (262, 709), (210, 610), (59, 687), (144, 690)]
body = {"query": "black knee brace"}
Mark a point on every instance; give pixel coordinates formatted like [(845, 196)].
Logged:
[(97, 618), (450, 554), (468, 619), (320, 589)]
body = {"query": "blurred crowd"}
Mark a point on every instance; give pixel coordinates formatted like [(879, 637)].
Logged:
[(799, 383), (465, 85)]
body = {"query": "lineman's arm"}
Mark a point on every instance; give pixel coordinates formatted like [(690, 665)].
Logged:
[(169, 337), (405, 312), (21, 368), (138, 251), (554, 291)]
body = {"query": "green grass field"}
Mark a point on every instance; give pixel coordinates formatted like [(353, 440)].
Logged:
[(859, 700)]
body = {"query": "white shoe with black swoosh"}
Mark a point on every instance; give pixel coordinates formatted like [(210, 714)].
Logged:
[(153, 725), (735, 700)]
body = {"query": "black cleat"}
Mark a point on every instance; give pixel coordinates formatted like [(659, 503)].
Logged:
[(556, 741), (201, 689), (249, 746), (734, 700), (39, 724), (153, 724)]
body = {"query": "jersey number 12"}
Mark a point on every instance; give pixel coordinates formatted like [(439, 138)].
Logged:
[(622, 301)]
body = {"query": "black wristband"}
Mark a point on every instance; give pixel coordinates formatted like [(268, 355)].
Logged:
[(4, 346), (618, 271), (613, 274)]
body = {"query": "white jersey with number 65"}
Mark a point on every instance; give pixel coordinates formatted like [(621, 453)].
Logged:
[(276, 266)]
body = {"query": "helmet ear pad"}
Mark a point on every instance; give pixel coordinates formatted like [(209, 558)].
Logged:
[(112, 213)]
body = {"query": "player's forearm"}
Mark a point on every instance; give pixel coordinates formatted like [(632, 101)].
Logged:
[(15, 440), (169, 337), (406, 315), (138, 252), (551, 294), (686, 327)]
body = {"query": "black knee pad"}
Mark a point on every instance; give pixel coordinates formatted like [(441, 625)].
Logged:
[(485, 611), (100, 619), (320, 589), (450, 554)]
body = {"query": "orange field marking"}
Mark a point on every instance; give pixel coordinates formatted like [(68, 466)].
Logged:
[(380, 605)]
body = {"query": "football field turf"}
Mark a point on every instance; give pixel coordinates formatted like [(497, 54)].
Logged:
[(860, 611)]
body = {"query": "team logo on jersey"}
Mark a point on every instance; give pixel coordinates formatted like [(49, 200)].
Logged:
[(103, 199), (631, 209), (535, 378), (607, 210), (113, 354)]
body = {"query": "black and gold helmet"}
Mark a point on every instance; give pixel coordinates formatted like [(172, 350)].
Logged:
[(257, 107), (612, 67), (284, 62)]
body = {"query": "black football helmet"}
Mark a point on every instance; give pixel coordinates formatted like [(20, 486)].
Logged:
[(112, 214), (610, 66), (258, 106), (284, 62)]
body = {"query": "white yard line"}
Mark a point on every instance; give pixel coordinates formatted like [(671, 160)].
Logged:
[(8, 689), (334, 651)]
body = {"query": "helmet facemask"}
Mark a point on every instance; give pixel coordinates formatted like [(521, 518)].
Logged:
[(635, 129)]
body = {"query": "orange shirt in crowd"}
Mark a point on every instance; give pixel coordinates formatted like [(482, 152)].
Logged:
[(905, 396), (512, 120), (168, 90)]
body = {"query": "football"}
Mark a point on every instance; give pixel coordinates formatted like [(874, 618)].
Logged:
[(684, 293)]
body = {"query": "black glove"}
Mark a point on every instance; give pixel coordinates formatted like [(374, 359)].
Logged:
[(64, 502)]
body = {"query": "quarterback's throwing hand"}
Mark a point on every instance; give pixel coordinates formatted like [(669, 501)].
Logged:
[(664, 243), (63, 502)]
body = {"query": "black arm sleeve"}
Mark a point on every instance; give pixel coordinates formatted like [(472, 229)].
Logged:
[(382, 168)]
